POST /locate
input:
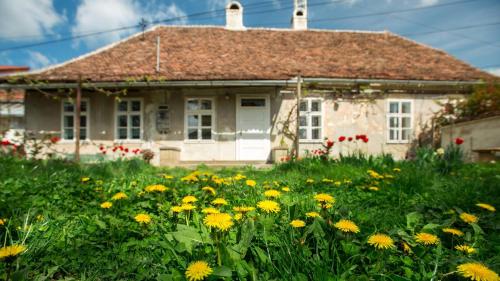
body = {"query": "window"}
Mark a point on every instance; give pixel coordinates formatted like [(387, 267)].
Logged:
[(68, 120), (129, 119), (311, 120), (199, 119), (399, 121)]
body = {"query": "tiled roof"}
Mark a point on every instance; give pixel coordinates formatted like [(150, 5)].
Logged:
[(214, 53)]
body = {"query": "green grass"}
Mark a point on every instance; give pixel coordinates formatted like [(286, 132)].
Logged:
[(78, 240)]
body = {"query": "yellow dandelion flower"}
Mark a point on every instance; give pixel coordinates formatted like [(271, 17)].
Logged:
[(406, 248), (396, 170), (269, 206), (251, 183), (209, 189), (85, 179), (381, 241), (243, 209), (273, 193), (486, 207), (176, 209), (198, 270), (119, 196), (189, 199), (143, 218), (2, 221), (188, 207), (426, 238), (40, 218), (297, 223), (374, 188), (238, 216), (220, 221), (106, 205), (468, 218), (324, 198), (210, 210), (11, 251), (346, 226), (239, 177), (465, 248), (168, 177), (156, 188), (285, 189), (310, 181), (312, 214), (477, 272), (453, 231), (219, 201)]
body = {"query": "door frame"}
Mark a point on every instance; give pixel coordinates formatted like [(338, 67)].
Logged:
[(239, 97)]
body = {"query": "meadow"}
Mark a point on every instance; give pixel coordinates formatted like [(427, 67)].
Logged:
[(354, 218)]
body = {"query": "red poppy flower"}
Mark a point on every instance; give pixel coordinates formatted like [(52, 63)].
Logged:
[(329, 143), (104, 152), (365, 139), (341, 138), (459, 141), (349, 139), (55, 139), (6, 142), (126, 150)]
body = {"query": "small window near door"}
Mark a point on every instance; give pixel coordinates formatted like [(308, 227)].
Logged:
[(199, 119), (253, 102), (68, 120), (129, 119), (311, 120), (399, 121)]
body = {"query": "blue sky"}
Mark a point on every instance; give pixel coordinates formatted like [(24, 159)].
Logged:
[(33, 21)]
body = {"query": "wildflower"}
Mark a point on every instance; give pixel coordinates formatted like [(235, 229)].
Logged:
[(221, 221), (40, 218), (465, 248), (273, 193), (188, 207), (459, 141), (119, 196), (11, 251), (85, 179), (477, 272), (198, 271), (243, 209), (286, 189), (143, 218), (2, 221), (374, 188), (219, 201), (269, 206), (381, 241), (406, 248), (210, 210), (238, 216), (189, 199), (106, 205), (329, 143), (426, 238), (440, 151), (239, 177), (341, 138), (251, 183), (347, 226), (453, 231), (338, 183), (468, 218), (324, 198), (486, 207), (176, 209), (312, 214), (156, 188), (310, 181), (397, 170), (297, 223), (209, 189), (168, 177)]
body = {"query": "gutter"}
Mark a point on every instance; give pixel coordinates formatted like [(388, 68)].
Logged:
[(239, 83)]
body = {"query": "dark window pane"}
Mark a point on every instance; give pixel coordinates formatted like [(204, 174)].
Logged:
[(302, 134), (393, 122), (193, 120), (394, 107), (206, 104), (393, 134), (206, 120), (316, 121), (253, 102), (68, 121), (122, 121), (83, 106), (122, 133), (405, 122), (315, 134), (83, 121), (68, 134), (193, 134), (136, 133), (303, 121), (303, 106), (206, 134), (122, 106), (135, 120), (135, 106), (405, 134), (83, 133), (406, 107), (192, 104), (68, 107), (316, 105)]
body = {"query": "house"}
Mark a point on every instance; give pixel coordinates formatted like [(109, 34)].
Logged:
[(11, 102), (210, 93)]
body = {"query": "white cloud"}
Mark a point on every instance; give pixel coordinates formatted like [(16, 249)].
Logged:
[(37, 60), (27, 18), (99, 15), (428, 2), (494, 71)]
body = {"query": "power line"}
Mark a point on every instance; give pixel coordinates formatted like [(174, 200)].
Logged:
[(452, 29)]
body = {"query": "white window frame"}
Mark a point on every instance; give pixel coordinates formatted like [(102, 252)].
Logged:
[(309, 114), (200, 112), (400, 116), (128, 113), (82, 113)]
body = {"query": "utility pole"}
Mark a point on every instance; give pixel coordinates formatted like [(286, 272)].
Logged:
[(297, 123), (78, 114)]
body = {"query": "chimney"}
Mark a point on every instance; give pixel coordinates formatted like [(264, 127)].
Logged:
[(299, 19), (234, 16)]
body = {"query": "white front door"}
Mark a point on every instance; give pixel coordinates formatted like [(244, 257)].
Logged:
[(253, 128)]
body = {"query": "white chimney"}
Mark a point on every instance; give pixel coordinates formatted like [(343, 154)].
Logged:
[(299, 19), (234, 16)]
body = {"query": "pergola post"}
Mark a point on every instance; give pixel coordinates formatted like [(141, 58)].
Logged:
[(297, 123), (77, 119)]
